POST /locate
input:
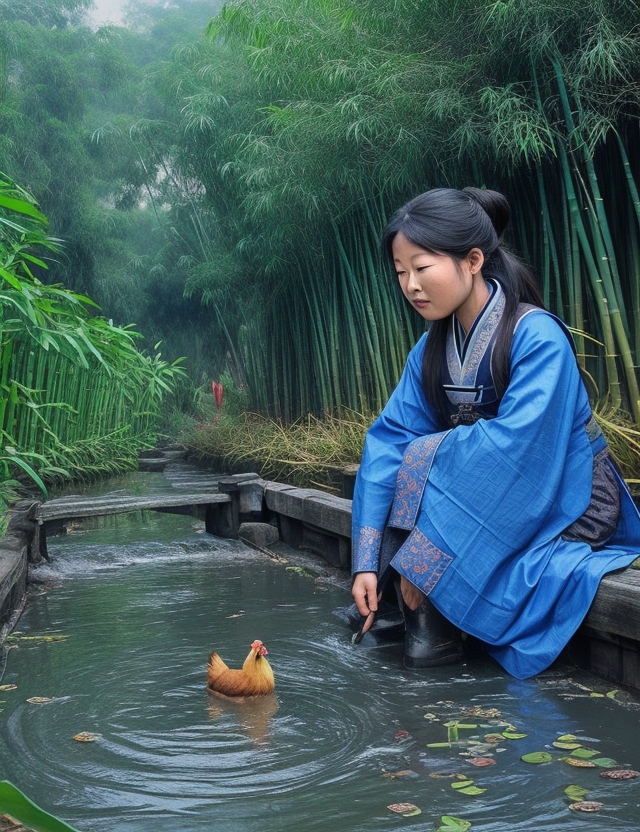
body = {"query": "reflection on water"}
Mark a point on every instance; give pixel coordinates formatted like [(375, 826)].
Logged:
[(144, 603)]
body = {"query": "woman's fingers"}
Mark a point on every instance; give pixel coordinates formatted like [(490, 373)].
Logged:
[(364, 591)]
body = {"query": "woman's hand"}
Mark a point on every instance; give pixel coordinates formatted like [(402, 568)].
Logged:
[(365, 594)]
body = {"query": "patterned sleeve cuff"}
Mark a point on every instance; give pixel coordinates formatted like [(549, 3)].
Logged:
[(365, 549)]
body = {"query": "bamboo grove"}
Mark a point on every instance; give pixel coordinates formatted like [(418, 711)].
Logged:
[(77, 398), (228, 190), (357, 107)]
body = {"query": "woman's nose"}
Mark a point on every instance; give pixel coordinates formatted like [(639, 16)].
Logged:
[(413, 284)]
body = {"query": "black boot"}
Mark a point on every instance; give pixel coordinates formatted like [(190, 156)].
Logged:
[(430, 640)]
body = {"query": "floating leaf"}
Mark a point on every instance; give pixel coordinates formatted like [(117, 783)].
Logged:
[(402, 735), (620, 774), (46, 639), (437, 776), (596, 695), (537, 757), (566, 746), (450, 824), (8, 687), (438, 745), (575, 792), (472, 790), (586, 806), (612, 694), (604, 762), (395, 775), (482, 761), (87, 736), (39, 700), (493, 738), (487, 713), (568, 738), (584, 753), (462, 784), (405, 809), (513, 735), (574, 761)]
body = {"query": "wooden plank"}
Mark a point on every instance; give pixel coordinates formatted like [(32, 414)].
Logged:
[(616, 605), (76, 507)]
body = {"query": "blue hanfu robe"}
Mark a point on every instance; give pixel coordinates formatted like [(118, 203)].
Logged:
[(484, 505)]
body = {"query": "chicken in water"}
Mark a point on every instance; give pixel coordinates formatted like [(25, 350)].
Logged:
[(254, 678)]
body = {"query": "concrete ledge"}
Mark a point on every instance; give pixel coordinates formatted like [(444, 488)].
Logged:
[(14, 549), (311, 519)]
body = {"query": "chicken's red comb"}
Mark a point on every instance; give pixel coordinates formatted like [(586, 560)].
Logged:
[(258, 645)]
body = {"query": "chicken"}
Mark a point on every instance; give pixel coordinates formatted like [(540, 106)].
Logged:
[(254, 679)]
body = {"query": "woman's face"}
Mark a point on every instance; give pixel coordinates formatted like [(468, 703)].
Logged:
[(436, 285)]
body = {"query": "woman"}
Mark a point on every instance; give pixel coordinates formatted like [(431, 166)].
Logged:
[(486, 492)]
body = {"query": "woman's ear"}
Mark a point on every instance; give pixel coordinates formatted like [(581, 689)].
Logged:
[(475, 259)]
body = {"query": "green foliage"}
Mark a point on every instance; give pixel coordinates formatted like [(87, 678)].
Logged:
[(359, 107), (72, 385), (227, 192)]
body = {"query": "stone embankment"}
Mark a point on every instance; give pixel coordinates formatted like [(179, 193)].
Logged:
[(261, 512)]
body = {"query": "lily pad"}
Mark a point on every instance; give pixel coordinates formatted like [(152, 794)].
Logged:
[(39, 700), (577, 763), (407, 810), (462, 784), (87, 736), (566, 746), (8, 687), (482, 761), (450, 824), (620, 774), (513, 735), (471, 790), (584, 753), (586, 806), (537, 757), (575, 792), (604, 762), (487, 713)]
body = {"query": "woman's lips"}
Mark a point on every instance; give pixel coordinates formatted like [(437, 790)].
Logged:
[(420, 303)]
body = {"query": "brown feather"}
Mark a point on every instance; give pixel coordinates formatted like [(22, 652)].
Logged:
[(255, 678)]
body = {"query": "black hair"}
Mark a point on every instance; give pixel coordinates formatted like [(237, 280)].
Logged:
[(452, 222)]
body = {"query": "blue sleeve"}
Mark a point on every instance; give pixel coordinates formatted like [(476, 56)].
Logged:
[(405, 417)]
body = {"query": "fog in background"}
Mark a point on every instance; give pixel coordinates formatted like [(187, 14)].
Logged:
[(113, 11), (107, 11)]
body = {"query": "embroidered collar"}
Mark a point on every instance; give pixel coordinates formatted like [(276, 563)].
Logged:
[(464, 358)]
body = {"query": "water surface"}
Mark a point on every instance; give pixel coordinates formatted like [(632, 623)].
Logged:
[(143, 601)]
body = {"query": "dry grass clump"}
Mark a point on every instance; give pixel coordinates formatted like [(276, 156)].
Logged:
[(308, 452), (314, 451), (623, 436)]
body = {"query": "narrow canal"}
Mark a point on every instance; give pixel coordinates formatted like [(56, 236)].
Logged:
[(114, 642)]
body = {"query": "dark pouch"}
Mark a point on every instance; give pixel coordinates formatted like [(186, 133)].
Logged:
[(598, 523)]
